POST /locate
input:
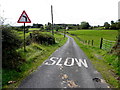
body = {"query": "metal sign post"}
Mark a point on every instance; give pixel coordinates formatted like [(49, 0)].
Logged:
[(24, 39), (24, 19)]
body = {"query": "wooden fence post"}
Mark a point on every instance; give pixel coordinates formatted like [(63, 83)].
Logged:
[(88, 42), (101, 42), (92, 42)]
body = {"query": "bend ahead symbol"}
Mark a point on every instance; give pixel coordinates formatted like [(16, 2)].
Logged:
[(25, 18)]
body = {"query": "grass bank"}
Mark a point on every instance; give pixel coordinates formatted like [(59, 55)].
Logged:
[(105, 63), (33, 57)]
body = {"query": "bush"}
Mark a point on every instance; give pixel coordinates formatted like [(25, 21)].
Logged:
[(10, 42), (43, 38)]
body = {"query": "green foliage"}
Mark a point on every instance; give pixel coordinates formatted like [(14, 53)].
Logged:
[(34, 29), (48, 26), (113, 26), (57, 27), (9, 75), (17, 28), (106, 25), (37, 25), (107, 64), (118, 25), (10, 42), (98, 28), (112, 22), (43, 38), (84, 25), (33, 57)]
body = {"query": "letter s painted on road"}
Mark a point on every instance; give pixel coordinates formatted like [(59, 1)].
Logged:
[(53, 61)]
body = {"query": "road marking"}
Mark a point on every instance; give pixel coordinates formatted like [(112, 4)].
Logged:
[(58, 63), (80, 62), (67, 62), (53, 61)]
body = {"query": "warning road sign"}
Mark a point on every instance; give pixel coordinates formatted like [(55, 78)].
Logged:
[(24, 18)]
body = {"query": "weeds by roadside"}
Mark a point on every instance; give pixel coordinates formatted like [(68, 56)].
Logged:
[(105, 63), (33, 57)]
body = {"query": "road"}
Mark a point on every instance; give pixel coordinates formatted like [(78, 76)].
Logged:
[(67, 67)]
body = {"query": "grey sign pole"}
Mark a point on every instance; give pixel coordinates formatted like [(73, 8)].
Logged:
[(24, 39), (25, 20)]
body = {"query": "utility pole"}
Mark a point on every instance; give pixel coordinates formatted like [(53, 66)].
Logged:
[(52, 19)]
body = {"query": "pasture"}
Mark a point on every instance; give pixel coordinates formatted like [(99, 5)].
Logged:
[(95, 35)]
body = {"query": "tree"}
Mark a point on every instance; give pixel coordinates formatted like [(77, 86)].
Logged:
[(84, 25), (57, 27), (48, 26), (78, 26), (112, 22), (118, 25), (113, 26), (106, 25), (37, 25)]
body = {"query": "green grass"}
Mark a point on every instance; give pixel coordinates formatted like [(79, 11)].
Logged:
[(34, 29), (105, 63), (96, 35), (21, 35), (33, 57)]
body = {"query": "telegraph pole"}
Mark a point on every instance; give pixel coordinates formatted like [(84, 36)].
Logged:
[(52, 19)]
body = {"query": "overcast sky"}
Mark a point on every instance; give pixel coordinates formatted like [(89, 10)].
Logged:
[(96, 12)]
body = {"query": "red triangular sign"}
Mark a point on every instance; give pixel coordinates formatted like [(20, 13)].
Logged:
[(24, 18)]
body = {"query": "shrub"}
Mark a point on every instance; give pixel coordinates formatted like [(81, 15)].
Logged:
[(10, 42), (43, 38)]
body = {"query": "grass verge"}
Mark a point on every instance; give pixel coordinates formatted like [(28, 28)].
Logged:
[(105, 63), (33, 57)]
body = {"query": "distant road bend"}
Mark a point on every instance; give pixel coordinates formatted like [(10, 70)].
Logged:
[(67, 67)]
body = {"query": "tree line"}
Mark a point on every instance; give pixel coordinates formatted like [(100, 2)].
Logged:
[(113, 25), (83, 25)]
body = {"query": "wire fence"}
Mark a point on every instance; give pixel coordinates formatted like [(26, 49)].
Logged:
[(103, 43), (107, 44)]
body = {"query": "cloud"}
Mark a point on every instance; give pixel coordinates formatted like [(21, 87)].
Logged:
[(65, 11)]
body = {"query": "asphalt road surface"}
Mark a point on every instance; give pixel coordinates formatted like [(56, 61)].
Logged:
[(67, 67)]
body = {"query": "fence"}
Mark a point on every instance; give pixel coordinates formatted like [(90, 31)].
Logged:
[(107, 44), (103, 44)]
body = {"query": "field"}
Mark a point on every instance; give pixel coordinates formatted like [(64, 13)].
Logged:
[(104, 62), (95, 35)]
